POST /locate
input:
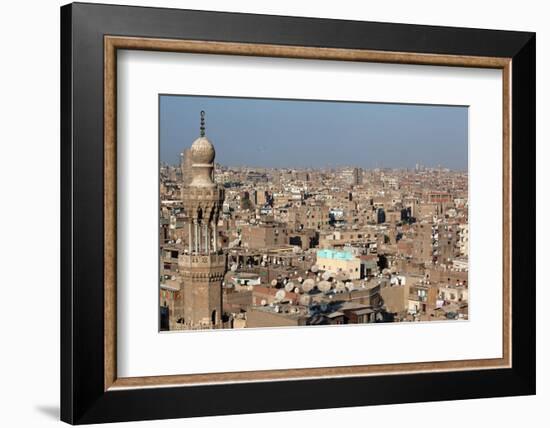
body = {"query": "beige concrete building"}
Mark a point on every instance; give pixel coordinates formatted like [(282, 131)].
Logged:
[(340, 261), (268, 317), (395, 297), (264, 235)]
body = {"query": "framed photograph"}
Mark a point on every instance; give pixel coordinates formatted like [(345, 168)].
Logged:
[(277, 213)]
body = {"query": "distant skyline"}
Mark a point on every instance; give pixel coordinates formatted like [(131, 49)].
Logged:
[(276, 133)]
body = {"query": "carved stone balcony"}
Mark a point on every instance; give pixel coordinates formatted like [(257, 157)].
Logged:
[(203, 266), (202, 260)]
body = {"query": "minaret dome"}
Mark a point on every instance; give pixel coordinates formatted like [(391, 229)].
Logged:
[(202, 151), (202, 159)]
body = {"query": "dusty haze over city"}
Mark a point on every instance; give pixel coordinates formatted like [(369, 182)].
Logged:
[(332, 213)]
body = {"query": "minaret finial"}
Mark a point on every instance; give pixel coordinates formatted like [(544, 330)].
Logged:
[(202, 123)]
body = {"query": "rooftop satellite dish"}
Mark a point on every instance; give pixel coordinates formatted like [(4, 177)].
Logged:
[(234, 267), (289, 286), (300, 279), (263, 302), (273, 282), (327, 275), (280, 295), (297, 290), (340, 287), (264, 263), (178, 241), (305, 300), (277, 309), (350, 286), (308, 285), (324, 286)]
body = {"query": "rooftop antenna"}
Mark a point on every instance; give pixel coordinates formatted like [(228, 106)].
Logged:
[(203, 128)]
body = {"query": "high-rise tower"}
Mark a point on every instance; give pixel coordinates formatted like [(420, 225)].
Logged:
[(204, 264)]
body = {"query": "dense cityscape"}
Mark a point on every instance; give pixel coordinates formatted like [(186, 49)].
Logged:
[(245, 247)]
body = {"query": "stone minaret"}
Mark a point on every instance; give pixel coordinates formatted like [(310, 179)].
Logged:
[(204, 264)]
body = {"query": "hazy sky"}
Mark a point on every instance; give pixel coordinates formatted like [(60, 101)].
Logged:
[(290, 133)]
